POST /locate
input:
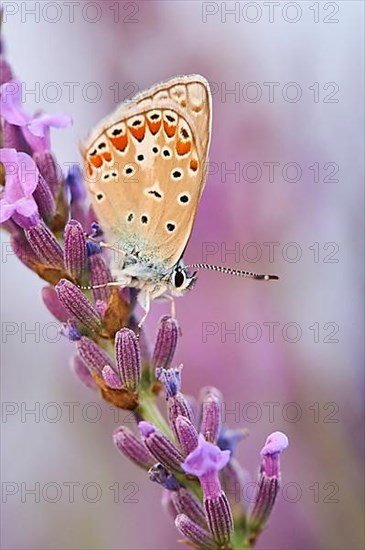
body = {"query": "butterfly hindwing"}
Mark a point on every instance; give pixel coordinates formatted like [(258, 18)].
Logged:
[(146, 168)]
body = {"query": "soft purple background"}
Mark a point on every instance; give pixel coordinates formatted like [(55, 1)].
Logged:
[(170, 38)]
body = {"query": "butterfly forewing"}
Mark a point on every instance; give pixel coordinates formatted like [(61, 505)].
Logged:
[(146, 169)]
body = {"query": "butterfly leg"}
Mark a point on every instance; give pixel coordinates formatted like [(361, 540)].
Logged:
[(144, 299), (173, 307)]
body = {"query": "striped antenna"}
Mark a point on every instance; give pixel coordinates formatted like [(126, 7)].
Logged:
[(237, 272)]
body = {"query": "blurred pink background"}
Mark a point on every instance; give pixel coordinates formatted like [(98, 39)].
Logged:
[(316, 382)]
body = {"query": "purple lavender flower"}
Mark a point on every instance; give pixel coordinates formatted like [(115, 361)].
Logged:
[(186, 434), (35, 128), (205, 462), (45, 245), (177, 404), (80, 308), (269, 480), (211, 413), (166, 341), (75, 249), (127, 443), (128, 358), (196, 535), (161, 447), (21, 181), (94, 357)]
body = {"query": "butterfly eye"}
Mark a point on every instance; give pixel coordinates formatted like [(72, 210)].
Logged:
[(179, 278)]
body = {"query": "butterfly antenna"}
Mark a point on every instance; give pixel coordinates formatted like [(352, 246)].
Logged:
[(237, 272)]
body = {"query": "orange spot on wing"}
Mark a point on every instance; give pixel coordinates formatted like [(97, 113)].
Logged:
[(183, 147), (138, 131), (107, 156), (169, 129), (194, 165), (154, 126), (120, 142), (89, 169), (96, 161)]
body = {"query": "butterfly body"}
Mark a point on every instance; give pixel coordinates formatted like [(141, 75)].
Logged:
[(146, 167)]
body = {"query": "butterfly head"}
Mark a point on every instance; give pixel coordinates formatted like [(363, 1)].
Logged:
[(181, 280)]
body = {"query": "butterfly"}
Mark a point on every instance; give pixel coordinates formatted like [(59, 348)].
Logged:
[(146, 171)]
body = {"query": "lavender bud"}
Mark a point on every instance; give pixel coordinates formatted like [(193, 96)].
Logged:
[(211, 413), (196, 535), (269, 480), (111, 378), (74, 249), (219, 516), (161, 447), (127, 443), (50, 171), (165, 342), (45, 200), (186, 434), (177, 404), (83, 373), (72, 298), (185, 503), (99, 273), (94, 357), (128, 358), (159, 474), (54, 306), (45, 245)]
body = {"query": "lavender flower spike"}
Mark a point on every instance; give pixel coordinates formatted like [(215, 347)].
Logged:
[(205, 462), (75, 249), (269, 479), (166, 341), (127, 443), (128, 358), (186, 434), (177, 404), (196, 535), (211, 414), (160, 447), (72, 298)]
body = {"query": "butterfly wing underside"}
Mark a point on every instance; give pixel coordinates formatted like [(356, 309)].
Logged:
[(146, 169)]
